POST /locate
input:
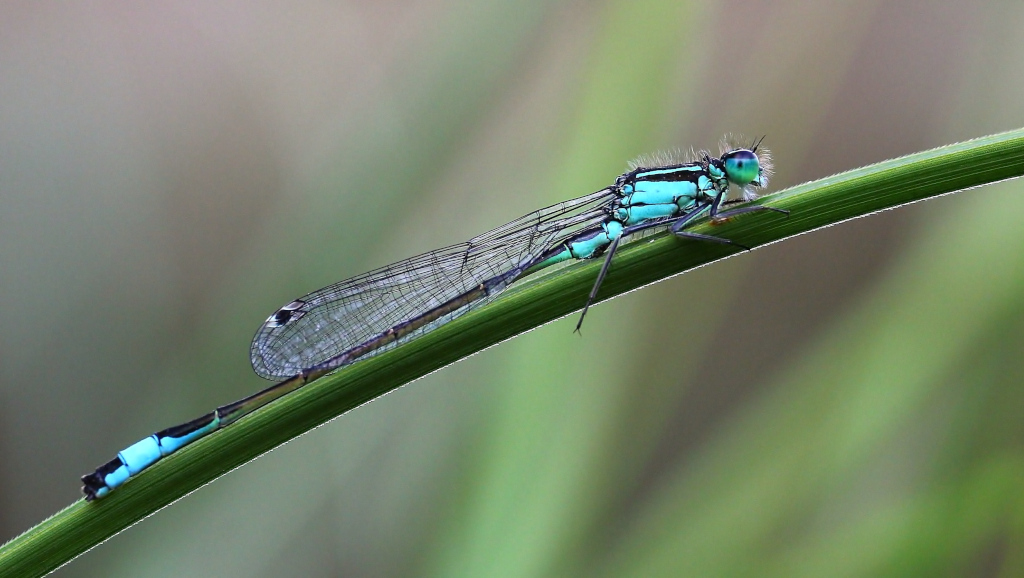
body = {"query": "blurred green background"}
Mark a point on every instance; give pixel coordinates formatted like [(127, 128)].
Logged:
[(846, 403)]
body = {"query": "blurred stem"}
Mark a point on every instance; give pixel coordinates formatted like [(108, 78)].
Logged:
[(535, 302)]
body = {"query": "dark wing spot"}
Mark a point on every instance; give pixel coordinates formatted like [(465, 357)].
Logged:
[(288, 313)]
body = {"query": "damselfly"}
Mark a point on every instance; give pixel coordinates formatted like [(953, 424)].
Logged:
[(371, 313)]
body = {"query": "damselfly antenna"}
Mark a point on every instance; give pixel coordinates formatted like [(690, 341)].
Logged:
[(757, 143)]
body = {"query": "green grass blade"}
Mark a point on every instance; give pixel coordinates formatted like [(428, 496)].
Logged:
[(535, 302)]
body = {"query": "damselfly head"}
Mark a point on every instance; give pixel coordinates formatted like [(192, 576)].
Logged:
[(749, 168)]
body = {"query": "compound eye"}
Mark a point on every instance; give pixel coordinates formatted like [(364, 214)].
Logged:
[(741, 167)]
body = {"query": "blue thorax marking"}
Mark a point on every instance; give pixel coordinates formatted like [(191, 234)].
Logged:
[(660, 192), (678, 173), (683, 186), (633, 214)]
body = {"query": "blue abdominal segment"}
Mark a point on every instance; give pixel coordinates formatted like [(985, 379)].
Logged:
[(146, 452)]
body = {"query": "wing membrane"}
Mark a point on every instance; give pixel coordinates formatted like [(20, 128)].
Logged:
[(332, 320)]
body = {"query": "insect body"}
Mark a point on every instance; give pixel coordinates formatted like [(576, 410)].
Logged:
[(373, 312)]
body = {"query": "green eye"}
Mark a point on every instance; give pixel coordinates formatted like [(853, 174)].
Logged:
[(741, 167)]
